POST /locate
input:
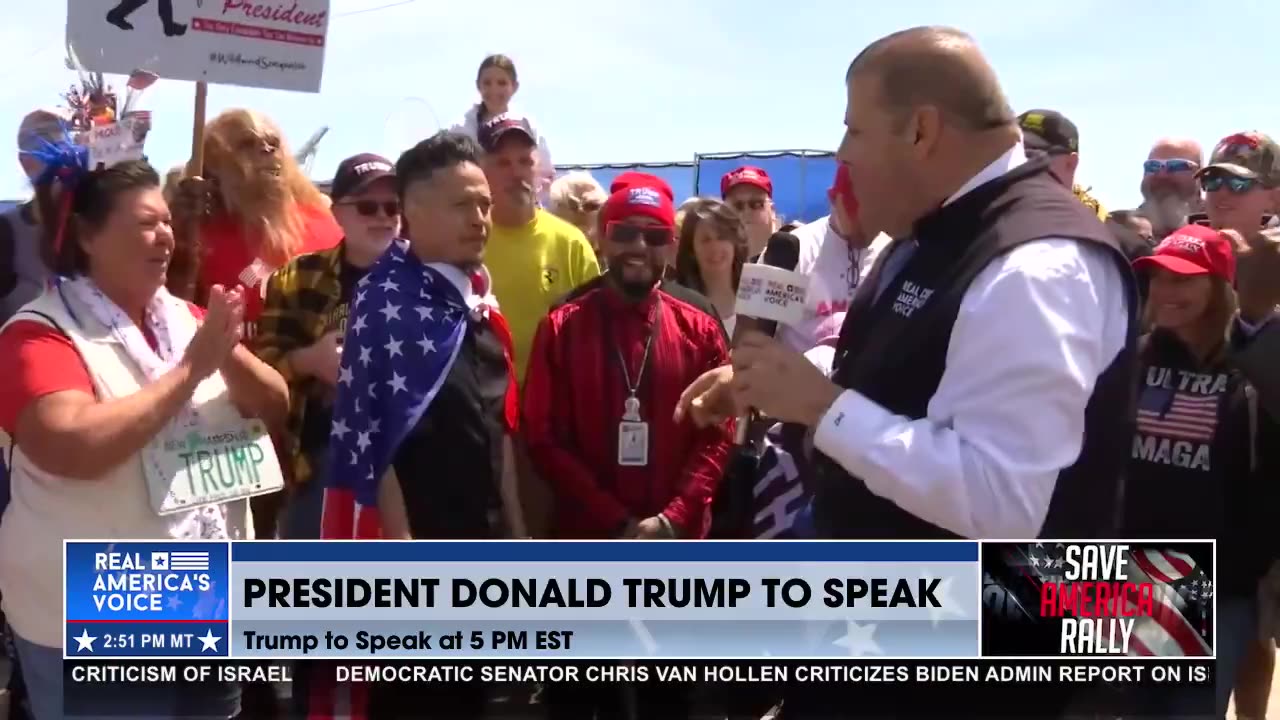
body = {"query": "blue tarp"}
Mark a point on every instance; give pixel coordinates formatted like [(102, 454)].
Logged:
[(679, 175), (800, 177)]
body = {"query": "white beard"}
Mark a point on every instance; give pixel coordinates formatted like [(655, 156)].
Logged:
[(1166, 213)]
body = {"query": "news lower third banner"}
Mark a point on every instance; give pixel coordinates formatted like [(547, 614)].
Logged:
[(632, 600)]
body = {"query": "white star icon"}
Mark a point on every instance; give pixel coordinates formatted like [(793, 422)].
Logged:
[(427, 344), (174, 603), (389, 285), (360, 297), (339, 429), (391, 312), (424, 313), (1035, 561), (942, 594), (344, 376), (393, 347), (209, 641), (373, 393), (375, 426), (355, 459), (84, 641), (362, 441), (397, 383), (358, 325), (365, 357), (858, 639)]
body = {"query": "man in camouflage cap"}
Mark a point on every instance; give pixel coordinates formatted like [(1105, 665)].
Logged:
[(1242, 182)]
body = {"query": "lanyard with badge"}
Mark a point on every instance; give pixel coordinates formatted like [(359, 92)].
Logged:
[(633, 431)]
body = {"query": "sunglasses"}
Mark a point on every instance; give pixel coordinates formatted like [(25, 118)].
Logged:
[(743, 205), (625, 233), (1177, 165), (369, 208), (1237, 185)]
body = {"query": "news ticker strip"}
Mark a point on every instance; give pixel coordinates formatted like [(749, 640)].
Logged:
[(979, 671), (955, 688), (454, 601)]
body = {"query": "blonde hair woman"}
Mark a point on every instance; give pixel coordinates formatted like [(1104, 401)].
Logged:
[(577, 198)]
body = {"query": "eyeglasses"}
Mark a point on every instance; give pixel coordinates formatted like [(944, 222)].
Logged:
[(1176, 165), (742, 205), (369, 208), (625, 233), (1237, 185)]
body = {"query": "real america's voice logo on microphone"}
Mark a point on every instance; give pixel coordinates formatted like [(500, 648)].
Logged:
[(769, 293)]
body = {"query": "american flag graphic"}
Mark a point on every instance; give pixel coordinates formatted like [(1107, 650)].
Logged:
[(1165, 412), (1182, 595)]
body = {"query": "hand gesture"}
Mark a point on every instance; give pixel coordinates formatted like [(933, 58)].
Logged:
[(651, 529), (218, 334), (780, 382), (1257, 270), (323, 358), (708, 400), (193, 200)]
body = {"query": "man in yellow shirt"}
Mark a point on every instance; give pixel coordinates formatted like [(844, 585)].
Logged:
[(534, 257)]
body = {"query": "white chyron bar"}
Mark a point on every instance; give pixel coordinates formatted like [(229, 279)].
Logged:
[(769, 293)]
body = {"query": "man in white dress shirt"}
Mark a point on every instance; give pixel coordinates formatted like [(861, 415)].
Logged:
[(983, 378)]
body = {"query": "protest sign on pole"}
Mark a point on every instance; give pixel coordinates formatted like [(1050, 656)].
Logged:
[(252, 43)]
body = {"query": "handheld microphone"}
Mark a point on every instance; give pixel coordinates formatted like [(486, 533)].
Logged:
[(769, 292)]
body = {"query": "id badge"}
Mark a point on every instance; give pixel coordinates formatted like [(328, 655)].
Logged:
[(633, 444)]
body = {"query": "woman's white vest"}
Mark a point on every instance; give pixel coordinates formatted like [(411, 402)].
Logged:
[(46, 508)]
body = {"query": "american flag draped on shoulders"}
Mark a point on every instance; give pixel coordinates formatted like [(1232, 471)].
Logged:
[(406, 326), (407, 322)]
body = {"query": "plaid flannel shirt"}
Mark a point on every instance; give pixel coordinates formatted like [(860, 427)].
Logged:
[(300, 297)]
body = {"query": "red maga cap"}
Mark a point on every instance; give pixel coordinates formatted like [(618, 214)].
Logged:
[(1194, 250)]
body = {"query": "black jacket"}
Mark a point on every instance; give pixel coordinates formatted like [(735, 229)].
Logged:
[(1204, 460)]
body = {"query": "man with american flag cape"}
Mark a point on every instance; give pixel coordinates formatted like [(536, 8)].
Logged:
[(426, 399)]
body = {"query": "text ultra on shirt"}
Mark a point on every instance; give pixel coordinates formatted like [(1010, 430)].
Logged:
[(532, 267)]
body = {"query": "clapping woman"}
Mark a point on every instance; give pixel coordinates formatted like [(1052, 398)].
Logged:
[(95, 375)]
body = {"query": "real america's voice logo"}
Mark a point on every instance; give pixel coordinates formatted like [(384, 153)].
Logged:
[(136, 584), (146, 599)]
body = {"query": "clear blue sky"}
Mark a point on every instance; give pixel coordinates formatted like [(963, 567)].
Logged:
[(659, 80)]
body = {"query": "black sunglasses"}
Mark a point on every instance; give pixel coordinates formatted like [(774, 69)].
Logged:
[(653, 236), (369, 208)]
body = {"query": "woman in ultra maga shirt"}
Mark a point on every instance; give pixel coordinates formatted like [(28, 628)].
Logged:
[(1204, 454), (95, 375)]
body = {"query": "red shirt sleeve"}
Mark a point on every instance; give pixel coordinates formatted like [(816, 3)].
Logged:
[(708, 458), (573, 484), (36, 360)]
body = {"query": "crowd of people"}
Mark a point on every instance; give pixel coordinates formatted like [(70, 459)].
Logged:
[(456, 344)]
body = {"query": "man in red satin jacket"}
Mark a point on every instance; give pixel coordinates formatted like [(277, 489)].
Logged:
[(605, 373)]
